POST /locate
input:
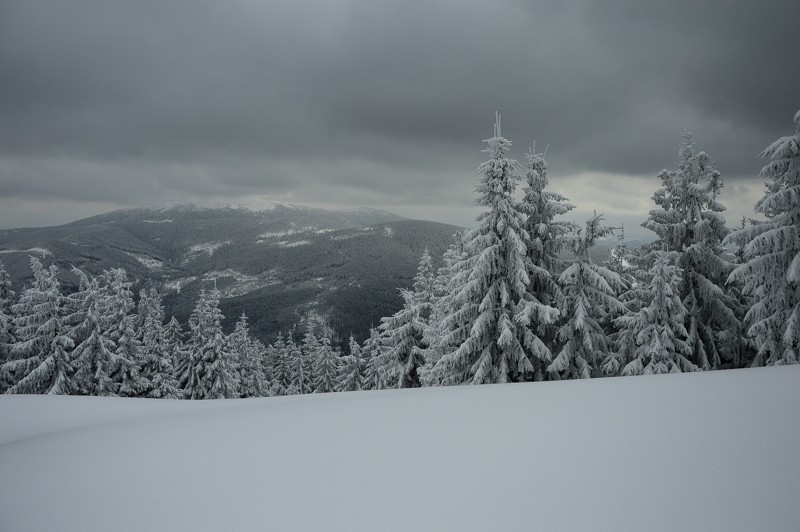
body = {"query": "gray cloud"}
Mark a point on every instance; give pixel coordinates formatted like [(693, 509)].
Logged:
[(380, 103)]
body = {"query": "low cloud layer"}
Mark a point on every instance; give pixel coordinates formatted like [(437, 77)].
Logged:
[(382, 104)]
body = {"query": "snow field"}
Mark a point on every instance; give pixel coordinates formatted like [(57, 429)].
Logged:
[(703, 451)]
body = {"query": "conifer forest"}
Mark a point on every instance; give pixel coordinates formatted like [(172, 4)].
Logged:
[(515, 298)]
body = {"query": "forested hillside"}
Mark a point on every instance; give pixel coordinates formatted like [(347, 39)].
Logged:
[(274, 263)]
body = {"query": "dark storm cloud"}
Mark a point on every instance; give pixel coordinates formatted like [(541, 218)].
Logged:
[(376, 102)]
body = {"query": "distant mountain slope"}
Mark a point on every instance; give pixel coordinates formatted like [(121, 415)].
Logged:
[(273, 263)]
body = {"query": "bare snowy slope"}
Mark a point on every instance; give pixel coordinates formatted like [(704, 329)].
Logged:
[(710, 451)]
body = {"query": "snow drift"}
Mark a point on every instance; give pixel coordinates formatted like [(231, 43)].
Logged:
[(709, 451)]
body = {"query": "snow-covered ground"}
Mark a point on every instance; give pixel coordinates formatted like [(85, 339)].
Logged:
[(287, 244), (709, 451), (34, 251), (206, 247), (148, 262)]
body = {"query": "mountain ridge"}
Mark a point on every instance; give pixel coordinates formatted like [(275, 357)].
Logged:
[(274, 264)]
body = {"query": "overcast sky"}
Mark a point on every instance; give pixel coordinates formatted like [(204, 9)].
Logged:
[(107, 104)]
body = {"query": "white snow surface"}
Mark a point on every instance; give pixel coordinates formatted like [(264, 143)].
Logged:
[(36, 251), (707, 451), (199, 249), (178, 284), (287, 244), (208, 247), (148, 262)]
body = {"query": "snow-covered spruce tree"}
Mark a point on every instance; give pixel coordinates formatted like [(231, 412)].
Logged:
[(382, 369), (278, 360), (491, 333), (119, 303), (635, 296), (7, 338), (746, 352), (444, 288), (129, 353), (94, 358), (300, 369), (741, 244), (6, 293), (315, 329), (265, 366), (351, 369), (157, 367), (163, 383), (251, 371), (444, 275), (405, 330), (403, 337), (771, 271), (76, 308), (192, 374), (589, 297), (96, 362), (424, 282), (177, 351), (214, 374), (40, 360), (548, 237), (659, 330), (620, 262), (326, 367), (150, 325), (688, 221)]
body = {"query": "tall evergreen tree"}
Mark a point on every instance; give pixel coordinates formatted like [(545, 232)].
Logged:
[(96, 363), (177, 351), (119, 303), (548, 237), (382, 368), (129, 353), (658, 328), (589, 297), (7, 337), (278, 357), (157, 366), (40, 360), (316, 330), (425, 297), (326, 367), (301, 371), (95, 360), (688, 221), (770, 274), (251, 371), (490, 336), (405, 330), (444, 290), (215, 373), (6, 293), (150, 322), (424, 286), (403, 334), (351, 370), (264, 363), (76, 308)]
